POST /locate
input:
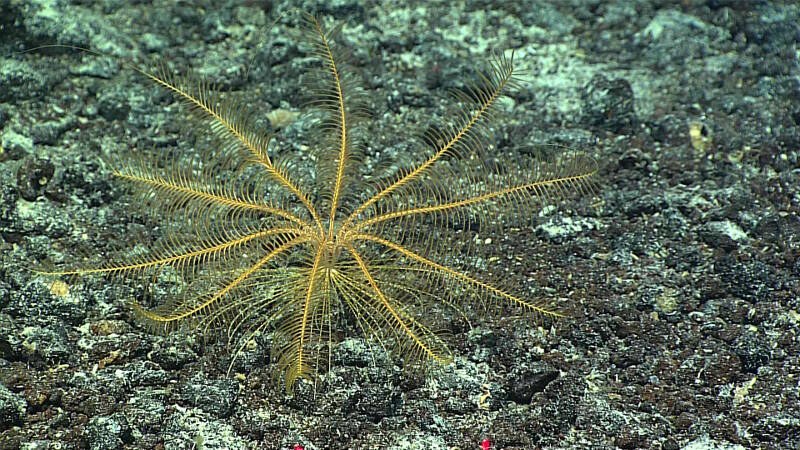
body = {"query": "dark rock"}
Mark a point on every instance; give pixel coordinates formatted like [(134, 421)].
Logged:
[(114, 105), (12, 408), (646, 204), (668, 129), (108, 432), (522, 387), (782, 427), (557, 408), (172, 355), (66, 24), (377, 401), (50, 132), (55, 188), (8, 197), (140, 373), (631, 438), (752, 281), (715, 368), (735, 4), (774, 28), (45, 346), (676, 38), (19, 80), (632, 355), (15, 146), (213, 29), (217, 397), (752, 351), (608, 104), (357, 353), (726, 235), (37, 300), (33, 176), (250, 357)]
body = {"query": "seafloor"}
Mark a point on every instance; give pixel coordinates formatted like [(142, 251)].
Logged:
[(680, 277)]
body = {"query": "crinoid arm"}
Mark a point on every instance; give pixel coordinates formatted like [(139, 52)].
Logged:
[(216, 237), (229, 120), (411, 217)]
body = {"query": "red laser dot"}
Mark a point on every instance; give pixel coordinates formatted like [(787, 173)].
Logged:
[(298, 447), (486, 444)]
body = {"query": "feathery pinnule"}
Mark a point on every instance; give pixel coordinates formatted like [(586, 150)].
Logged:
[(331, 250)]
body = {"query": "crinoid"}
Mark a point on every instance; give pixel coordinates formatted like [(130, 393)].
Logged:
[(261, 246)]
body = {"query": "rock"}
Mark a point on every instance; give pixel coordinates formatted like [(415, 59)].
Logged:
[(12, 408)]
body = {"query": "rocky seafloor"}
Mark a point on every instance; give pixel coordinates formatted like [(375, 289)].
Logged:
[(680, 279)]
